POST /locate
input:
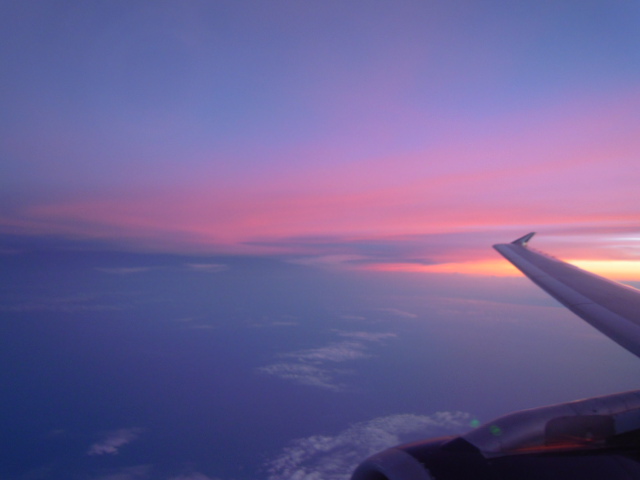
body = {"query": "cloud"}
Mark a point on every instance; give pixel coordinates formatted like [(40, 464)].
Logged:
[(207, 267), (335, 250), (322, 457), (317, 366), (193, 476), (398, 313), (334, 352), (72, 304), (285, 324), (124, 270), (113, 441), (368, 336), (303, 374), (137, 472), (146, 472)]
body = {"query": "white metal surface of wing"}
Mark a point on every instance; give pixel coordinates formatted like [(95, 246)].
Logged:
[(611, 307), (589, 439)]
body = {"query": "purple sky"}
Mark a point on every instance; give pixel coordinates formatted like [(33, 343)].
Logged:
[(323, 129), (379, 136)]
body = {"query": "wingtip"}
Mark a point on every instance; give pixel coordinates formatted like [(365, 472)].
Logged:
[(524, 240)]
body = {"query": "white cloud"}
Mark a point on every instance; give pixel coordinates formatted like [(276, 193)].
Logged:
[(202, 327), (303, 374), (113, 441), (325, 260), (80, 303), (316, 366), (137, 472), (398, 313), (124, 270), (334, 352), (207, 267), (193, 476), (368, 336), (321, 457)]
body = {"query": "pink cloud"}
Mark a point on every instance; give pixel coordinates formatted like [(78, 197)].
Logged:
[(570, 164)]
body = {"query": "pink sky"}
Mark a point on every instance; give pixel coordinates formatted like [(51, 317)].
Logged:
[(353, 128)]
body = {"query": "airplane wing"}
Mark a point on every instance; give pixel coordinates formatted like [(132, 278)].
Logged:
[(611, 307), (588, 439)]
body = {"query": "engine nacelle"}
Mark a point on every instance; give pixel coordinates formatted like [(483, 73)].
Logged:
[(587, 439)]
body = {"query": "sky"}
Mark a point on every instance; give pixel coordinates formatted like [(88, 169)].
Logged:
[(331, 130), (252, 240)]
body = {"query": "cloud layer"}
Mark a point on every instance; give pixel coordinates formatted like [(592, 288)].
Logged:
[(323, 366), (428, 120), (113, 441), (322, 457)]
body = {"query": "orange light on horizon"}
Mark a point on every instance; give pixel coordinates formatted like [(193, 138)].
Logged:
[(628, 270), (483, 267), (614, 269)]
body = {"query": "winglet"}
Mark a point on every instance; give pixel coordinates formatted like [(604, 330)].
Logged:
[(524, 240)]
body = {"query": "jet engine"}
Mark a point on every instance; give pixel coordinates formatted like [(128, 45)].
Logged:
[(596, 438)]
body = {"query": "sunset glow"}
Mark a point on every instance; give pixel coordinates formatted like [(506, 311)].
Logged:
[(252, 239), (160, 141), (620, 270)]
